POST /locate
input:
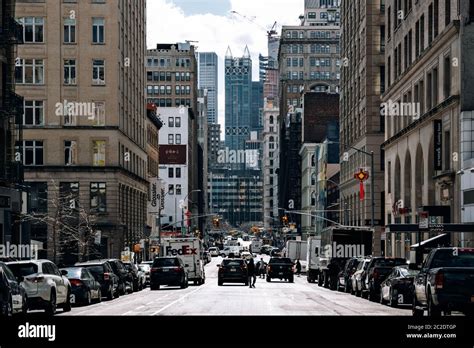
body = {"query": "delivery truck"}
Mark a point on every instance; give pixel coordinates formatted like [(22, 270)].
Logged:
[(313, 248), (297, 250), (189, 250)]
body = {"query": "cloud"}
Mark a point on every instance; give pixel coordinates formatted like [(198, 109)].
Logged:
[(168, 23)]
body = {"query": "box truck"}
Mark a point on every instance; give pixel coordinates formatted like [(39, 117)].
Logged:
[(297, 250), (189, 250), (313, 248)]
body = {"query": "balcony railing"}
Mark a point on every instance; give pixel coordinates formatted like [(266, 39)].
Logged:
[(11, 32)]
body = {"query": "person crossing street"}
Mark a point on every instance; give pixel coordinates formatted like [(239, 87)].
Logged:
[(251, 273)]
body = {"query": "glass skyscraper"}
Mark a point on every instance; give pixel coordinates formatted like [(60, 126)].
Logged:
[(208, 79)]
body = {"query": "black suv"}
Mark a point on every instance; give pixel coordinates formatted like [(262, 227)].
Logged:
[(125, 280), (232, 271), (102, 271), (344, 280), (168, 271), (132, 269), (11, 292), (281, 268)]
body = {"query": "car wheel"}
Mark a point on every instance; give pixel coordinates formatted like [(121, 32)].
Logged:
[(123, 289), (51, 307), (88, 300), (67, 306), (320, 280), (381, 300), (220, 282), (416, 312), (433, 310), (269, 279), (99, 296), (183, 284), (371, 295), (291, 279)]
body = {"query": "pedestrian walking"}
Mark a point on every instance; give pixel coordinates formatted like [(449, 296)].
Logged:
[(298, 268), (261, 268), (251, 273)]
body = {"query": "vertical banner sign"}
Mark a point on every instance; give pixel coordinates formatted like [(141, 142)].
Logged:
[(438, 145), (153, 204)]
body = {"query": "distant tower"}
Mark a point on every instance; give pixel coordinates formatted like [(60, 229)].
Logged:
[(208, 79)]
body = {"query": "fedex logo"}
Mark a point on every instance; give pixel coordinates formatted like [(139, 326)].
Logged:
[(185, 250)]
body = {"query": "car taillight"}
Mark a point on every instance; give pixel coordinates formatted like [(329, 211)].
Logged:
[(36, 279), (439, 280), (106, 276), (269, 268), (75, 282), (177, 269)]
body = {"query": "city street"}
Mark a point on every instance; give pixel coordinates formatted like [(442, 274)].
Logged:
[(275, 298)]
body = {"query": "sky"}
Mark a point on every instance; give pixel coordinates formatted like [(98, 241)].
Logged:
[(214, 27)]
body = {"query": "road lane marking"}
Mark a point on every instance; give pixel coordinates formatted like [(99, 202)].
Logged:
[(178, 300)]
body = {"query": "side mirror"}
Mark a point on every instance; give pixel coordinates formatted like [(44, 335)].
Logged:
[(64, 272)]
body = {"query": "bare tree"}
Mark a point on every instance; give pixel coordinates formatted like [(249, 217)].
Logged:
[(70, 226)]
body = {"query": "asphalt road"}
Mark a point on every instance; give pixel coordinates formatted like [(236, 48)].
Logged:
[(274, 298)]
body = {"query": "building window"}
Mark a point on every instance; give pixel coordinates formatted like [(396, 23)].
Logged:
[(38, 197), (98, 72), (98, 193), (32, 152), (170, 173), (33, 29), (313, 198), (178, 139), (98, 30), (70, 153), (170, 139), (171, 189), (33, 113), (447, 77), (178, 122), (171, 122), (69, 71), (69, 30), (98, 151), (178, 172), (447, 12), (99, 113), (178, 190), (29, 71)]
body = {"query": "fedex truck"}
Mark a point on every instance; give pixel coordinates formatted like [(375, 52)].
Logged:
[(190, 251)]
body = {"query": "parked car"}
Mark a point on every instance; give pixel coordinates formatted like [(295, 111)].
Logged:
[(145, 268), (281, 268), (344, 279), (232, 271), (168, 271), (125, 279), (46, 287), (377, 270), (213, 251), (13, 297), (357, 277), (84, 287), (207, 257), (397, 288), (137, 282), (445, 282), (102, 271)]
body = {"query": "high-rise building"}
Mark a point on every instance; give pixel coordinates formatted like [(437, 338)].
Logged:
[(238, 99), (428, 114), (84, 138), (209, 79), (309, 60), (361, 126), (11, 111), (213, 143), (172, 76)]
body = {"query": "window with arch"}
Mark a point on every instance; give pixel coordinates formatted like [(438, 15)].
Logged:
[(272, 120), (313, 179), (313, 161), (313, 198)]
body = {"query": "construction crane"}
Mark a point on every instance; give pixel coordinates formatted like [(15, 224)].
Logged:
[(252, 19)]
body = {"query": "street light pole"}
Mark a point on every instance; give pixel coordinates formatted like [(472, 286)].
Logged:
[(182, 209)]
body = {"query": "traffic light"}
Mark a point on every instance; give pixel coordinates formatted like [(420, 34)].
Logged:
[(216, 222), (284, 219)]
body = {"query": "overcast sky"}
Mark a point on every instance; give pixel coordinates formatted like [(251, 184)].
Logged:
[(211, 24)]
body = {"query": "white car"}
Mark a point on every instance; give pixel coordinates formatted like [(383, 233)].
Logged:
[(246, 255), (234, 250), (46, 287), (213, 251)]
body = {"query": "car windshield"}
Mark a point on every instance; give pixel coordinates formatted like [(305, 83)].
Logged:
[(280, 260), (232, 262), (166, 262), (446, 258), (23, 269), (72, 272), (408, 272), (389, 262), (144, 268)]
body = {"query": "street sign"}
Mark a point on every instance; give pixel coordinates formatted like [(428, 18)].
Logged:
[(423, 223)]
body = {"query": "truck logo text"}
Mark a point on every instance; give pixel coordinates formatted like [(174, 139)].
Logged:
[(185, 250)]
